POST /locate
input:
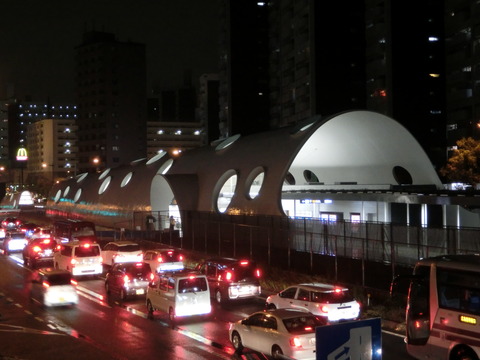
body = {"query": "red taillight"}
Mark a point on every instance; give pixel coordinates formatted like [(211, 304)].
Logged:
[(257, 273), (87, 245), (308, 328), (159, 258), (138, 265), (295, 342), (37, 249), (45, 284), (46, 241), (244, 262), (324, 309), (337, 290), (170, 253), (191, 277), (73, 282), (59, 247), (228, 276), (126, 279), (180, 257), (73, 261), (151, 276)]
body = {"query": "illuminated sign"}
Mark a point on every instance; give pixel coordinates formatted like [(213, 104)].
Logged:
[(22, 154), (467, 319)]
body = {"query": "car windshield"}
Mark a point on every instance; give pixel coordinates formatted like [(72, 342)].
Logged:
[(18, 236), (303, 324), (129, 248), (59, 279), (86, 251), (192, 285), (332, 297)]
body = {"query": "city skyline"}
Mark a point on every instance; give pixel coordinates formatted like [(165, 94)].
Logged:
[(39, 42)]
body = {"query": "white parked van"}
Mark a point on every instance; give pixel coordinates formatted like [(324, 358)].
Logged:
[(79, 257), (179, 294)]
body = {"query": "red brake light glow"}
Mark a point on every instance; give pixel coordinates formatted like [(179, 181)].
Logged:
[(152, 276), (46, 241), (257, 273), (180, 257), (324, 309), (191, 277), (295, 342), (228, 275), (87, 245), (73, 282), (337, 290), (244, 262), (308, 328), (126, 279), (37, 249), (138, 265), (45, 284), (159, 258)]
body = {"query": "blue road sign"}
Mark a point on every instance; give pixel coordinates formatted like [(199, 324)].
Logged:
[(353, 340)]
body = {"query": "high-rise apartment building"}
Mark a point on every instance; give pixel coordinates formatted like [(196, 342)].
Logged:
[(405, 52), (52, 149), (462, 38), (111, 99), (208, 107)]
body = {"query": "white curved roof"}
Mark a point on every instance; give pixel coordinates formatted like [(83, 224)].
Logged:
[(360, 148)]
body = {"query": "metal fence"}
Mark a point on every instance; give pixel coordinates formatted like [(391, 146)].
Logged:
[(353, 252)]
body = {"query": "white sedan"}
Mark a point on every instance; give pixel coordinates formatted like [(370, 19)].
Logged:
[(287, 332), (121, 252)]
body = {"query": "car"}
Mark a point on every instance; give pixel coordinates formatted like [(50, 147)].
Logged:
[(281, 333), (11, 223), (128, 279), (53, 287), (180, 294), (164, 260), (231, 279), (80, 257), (42, 233), (28, 228), (335, 303), (38, 251), (14, 242), (121, 252)]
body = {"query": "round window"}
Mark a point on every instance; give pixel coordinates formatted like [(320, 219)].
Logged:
[(104, 185), (255, 182), (126, 179), (57, 196), (77, 195), (103, 174), (224, 190)]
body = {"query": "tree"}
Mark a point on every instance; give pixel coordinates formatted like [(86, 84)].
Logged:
[(464, 164)]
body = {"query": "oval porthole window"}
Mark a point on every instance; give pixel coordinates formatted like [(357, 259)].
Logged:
[(77, 195), (126, 179), (310, 177), (66, 191), (402, 176), (227, 142), (81, 177), (156, 157), (224, 190), (135, 162), (165, 167), (254, 182), (104, 185), (57, 196), (289, 179), (104, 174)]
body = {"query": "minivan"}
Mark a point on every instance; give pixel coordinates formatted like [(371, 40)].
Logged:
[(179, 294), (81, 258), (231, 279)]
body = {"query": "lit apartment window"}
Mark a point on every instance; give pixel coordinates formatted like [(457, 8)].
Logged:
[(432, 38)]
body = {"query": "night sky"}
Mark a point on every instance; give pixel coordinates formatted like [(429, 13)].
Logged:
[(38, 40)]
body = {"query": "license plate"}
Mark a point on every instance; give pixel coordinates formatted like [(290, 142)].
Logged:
[(140, 291)]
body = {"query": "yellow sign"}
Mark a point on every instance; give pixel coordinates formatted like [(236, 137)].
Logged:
[(22, 154), (467, 319)]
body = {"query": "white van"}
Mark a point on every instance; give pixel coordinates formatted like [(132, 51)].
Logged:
[(179, 294), (79, 257)]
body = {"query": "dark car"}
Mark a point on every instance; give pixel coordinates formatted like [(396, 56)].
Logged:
[(38, 251), (11, 223), (28, 228), (231, 279), (128, 279)]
